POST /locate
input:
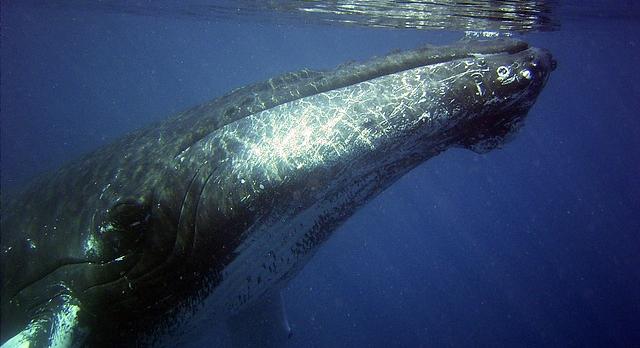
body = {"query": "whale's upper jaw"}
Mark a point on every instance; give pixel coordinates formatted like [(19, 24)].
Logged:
[(404, 60)]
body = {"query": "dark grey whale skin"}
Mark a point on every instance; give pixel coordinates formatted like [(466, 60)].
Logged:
[(141, 232)]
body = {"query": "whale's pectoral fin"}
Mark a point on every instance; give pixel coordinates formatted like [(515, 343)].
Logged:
[(53, 325), (264, 324)]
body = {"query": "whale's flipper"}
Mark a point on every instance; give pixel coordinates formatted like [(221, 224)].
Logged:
[(264, 324), (53, 325)]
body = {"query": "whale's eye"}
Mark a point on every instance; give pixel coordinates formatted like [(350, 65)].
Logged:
[(122, 229)]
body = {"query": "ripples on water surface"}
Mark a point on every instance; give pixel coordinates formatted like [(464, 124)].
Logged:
[(519, 16), (506, 16)]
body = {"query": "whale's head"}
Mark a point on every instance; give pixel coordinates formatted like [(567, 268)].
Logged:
[(502, 91)]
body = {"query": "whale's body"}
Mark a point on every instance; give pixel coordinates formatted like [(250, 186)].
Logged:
[(206, 215)]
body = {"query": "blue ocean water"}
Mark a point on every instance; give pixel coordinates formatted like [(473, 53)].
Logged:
[(536, 244)]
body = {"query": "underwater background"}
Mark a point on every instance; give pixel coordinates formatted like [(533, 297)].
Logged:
[(535, 244)]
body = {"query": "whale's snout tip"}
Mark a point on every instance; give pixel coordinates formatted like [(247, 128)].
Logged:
[(546, 56)]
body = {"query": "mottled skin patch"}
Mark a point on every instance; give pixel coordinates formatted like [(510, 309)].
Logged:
[(224, 202)]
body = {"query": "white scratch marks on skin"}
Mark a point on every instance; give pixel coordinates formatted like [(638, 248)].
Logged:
[(333, 124), (104, 190)]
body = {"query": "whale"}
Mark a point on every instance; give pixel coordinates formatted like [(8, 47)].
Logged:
[(204, 217)]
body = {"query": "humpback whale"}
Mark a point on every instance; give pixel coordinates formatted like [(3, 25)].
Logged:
[(205, 216)]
